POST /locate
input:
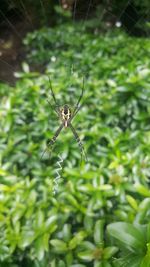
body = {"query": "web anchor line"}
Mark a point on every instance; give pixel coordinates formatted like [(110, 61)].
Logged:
[(58, 175)]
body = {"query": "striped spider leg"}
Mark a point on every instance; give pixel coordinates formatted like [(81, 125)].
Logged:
[(75, 111), (79, 142), (51, 142), (66, 115)]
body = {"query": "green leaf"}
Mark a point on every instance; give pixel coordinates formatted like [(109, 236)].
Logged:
[(88, 223), (132, 202), (130, 236), (50, 223), (59, 245), (66, 232), (69, 258), (131, 259), (143, 209), (142, 190), (61, 263), (87, 245), (77, 265), (39, 218), (76, 240), (109, 252), (146, 260), (41, 245), (86, 255), (27, 237), (148, 233), (99, 233), (72, 201), (102, 263)]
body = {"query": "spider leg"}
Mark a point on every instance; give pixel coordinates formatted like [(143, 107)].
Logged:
[(52, 93), (74, 114), (53, 107), (52, 141), (78, 141), (76, 111), (77, 104)]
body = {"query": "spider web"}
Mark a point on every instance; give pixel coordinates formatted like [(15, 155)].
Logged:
[(105, 11), (85, 15)]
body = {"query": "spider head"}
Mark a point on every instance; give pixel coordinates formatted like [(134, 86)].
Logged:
[(65, 114)]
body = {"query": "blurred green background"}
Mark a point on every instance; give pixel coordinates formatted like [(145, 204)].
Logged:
[(100, 215)]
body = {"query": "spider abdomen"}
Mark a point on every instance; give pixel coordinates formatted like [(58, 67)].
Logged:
[(66, 115)]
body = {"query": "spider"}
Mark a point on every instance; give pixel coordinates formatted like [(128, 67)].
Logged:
[(66, 115)]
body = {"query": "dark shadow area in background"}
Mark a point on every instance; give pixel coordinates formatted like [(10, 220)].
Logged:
[(13, 28), (17, 18)]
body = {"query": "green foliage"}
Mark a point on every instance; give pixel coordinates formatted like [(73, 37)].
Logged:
[(135, 242), (100, 215)]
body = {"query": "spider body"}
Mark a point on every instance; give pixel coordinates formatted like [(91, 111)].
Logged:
[(65, 114)]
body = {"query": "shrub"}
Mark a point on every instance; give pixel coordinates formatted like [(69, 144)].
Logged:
[(100, 204)]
